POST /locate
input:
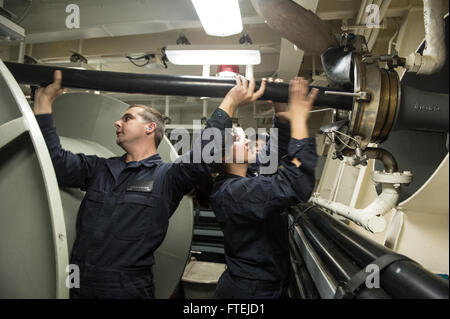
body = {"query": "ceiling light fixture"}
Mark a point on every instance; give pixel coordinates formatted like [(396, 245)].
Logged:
[(219, 18), (213, 55)]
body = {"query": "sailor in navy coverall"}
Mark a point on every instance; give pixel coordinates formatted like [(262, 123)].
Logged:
[(124, 215), (250, 210)]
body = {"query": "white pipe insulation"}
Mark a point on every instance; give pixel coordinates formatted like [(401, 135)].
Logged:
[(371, 217), (433, 57)]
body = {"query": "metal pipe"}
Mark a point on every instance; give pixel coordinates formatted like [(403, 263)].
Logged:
[(205, 108), (339, 264), (167, 108), (433, 57), (402, 279), (21, 55), (42, 75), (362, 9), (371, 217), (391, 41), (388, 160)]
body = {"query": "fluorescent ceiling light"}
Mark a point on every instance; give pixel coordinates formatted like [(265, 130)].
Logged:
[(213, 55), (220, 18)]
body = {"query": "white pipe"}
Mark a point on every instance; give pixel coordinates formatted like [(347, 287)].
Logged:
[(433, 58), (80, 46), (166, 112), (391, 41), (21, 56), (249, 71), (206, 71), (361, 12), (30, 49), (205, 108), (337, 182), (371, 217), (394, 230)]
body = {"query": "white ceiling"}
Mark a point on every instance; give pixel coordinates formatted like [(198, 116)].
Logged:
[(45, 20), (111, 29)]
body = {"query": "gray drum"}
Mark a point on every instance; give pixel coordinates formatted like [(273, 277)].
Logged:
[(33, 242)]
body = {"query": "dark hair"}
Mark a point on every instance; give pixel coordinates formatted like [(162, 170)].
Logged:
[(150, 114)]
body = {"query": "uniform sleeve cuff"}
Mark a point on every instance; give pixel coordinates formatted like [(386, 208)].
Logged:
[(296, 147), (279, 124), (221, 119), (45, 120)]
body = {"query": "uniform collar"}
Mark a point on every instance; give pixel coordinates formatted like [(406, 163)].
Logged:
[(117, 164), (225, 176), (147, 162)]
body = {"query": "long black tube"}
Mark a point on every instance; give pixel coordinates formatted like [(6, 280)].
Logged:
[(339, 265), (402, 279), (42, 75)]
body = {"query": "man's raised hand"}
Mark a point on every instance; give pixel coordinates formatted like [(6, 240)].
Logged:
[(45, 96)]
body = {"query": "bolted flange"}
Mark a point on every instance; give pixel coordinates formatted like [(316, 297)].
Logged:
[(392, 178)]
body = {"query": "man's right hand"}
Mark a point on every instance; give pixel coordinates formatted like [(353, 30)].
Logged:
[(45, 96)]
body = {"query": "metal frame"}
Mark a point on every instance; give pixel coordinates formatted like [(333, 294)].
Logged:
[(9, 28), (11, 130), (51, 186)]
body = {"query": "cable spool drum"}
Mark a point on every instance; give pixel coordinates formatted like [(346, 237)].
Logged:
[(33, 242)]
